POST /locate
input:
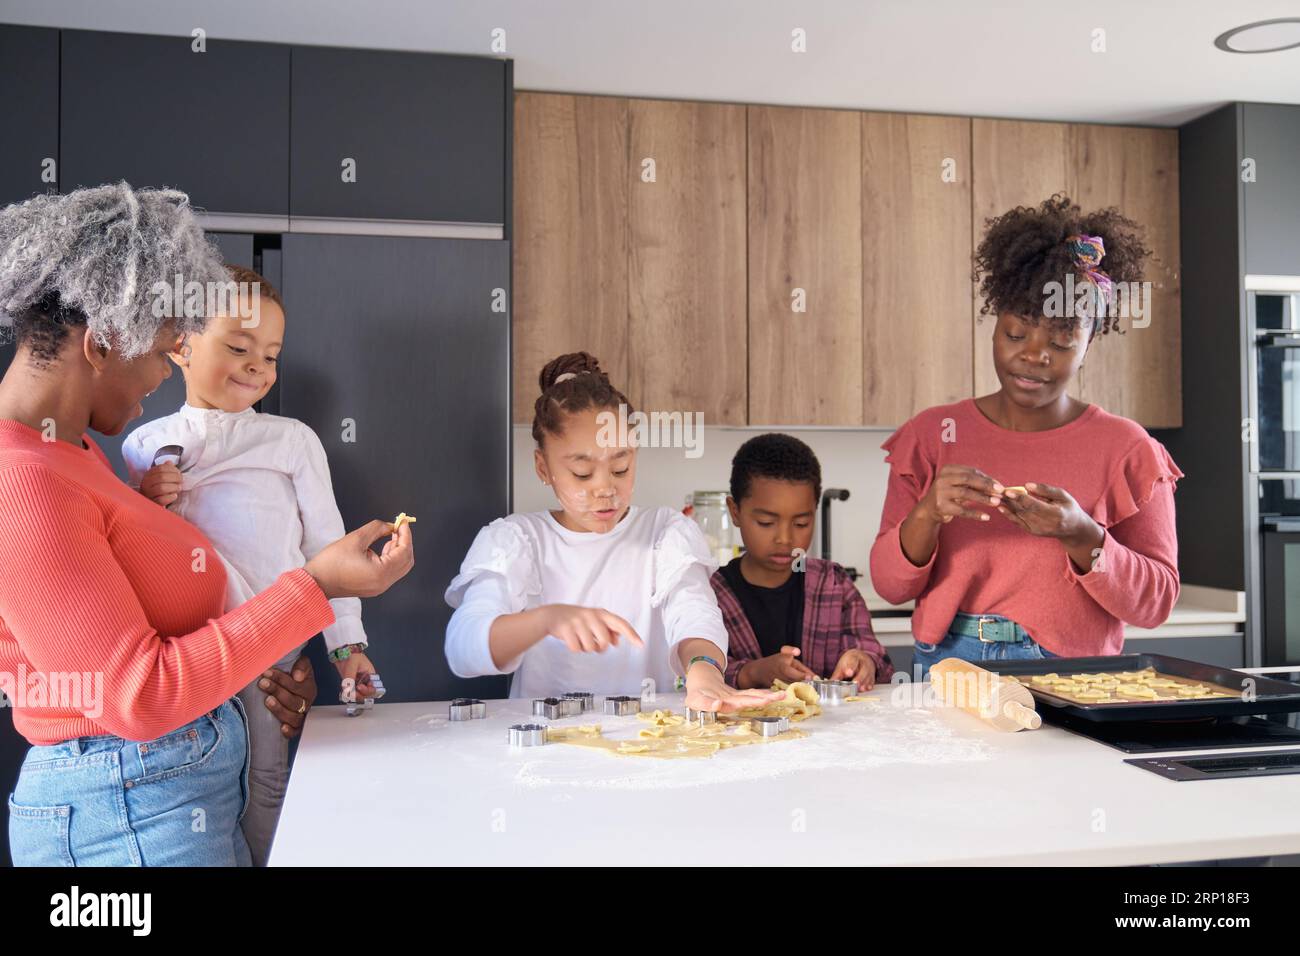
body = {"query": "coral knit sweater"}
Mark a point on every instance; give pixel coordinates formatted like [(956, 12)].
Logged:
[(1116, 472), (95, 579)]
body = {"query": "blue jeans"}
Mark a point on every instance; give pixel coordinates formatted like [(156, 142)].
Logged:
[(105, 801), (974, 650)]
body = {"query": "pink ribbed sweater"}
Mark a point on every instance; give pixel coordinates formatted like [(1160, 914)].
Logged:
[(1117, 473), (95, 579)]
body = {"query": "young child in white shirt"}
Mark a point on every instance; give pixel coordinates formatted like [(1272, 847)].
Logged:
[(258, 486), (597, 595)]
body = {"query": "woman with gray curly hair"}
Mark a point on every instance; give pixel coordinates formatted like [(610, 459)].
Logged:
[(121, 667)]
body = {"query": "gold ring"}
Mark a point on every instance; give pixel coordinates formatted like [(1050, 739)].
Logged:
[(302, 708)]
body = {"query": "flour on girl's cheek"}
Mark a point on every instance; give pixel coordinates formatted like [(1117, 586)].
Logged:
[(580, 502)]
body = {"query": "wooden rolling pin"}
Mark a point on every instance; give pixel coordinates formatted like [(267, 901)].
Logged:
[(1003, 702)]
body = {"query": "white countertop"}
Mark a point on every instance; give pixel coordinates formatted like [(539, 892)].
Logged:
[(883, 783)]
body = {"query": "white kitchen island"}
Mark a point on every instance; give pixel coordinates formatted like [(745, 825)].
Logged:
[(899, 780)]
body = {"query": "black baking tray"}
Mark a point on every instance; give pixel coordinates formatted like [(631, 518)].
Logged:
[(1270, 696)]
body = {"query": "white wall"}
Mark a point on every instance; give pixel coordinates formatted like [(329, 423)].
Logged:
[(850, 458)]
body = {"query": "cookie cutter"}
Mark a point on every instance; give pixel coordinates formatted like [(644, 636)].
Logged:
[(168, 455), (527, 735), (348, 696), (552, 708), (700, 717), (585, 699), (622, 706), (466, 708), (769, 726), (833, 692)]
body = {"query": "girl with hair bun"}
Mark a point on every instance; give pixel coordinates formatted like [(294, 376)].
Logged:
[(597, 594), (1027, 523)]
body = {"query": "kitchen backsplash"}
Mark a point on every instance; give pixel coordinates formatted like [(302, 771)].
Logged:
[(850, 458)]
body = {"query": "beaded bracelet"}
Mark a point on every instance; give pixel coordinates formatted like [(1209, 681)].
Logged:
[(680, 682), (346, 651)]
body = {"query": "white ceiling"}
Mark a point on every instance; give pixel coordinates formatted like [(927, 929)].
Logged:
[(1021, 58)]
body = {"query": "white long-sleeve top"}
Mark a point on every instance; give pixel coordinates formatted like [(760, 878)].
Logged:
[(258, 486), (651, 569)]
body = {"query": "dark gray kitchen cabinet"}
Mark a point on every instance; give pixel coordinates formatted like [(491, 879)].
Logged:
[(394, 356), (29, 110), (425, 133), (150, 110), (1271, 138)]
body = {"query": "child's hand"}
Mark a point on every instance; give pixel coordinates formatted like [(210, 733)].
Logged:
[(706, 690), (586, 629), (781, 665), (856, 664), (359, 668), (161, 484)]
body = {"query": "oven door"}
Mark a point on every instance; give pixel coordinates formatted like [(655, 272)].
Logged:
[(1275, 393), (1281, 576)]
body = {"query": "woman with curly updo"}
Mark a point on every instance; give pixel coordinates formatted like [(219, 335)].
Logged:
[(1027, 523)]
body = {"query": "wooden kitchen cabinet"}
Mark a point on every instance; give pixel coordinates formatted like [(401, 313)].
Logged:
[(845, 214), (1136, 373), (687, 260), (570, 236), (805, 250), (1014, 163), (916, 249)]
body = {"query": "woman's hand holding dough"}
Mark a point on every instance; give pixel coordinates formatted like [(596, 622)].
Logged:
[(349, 568), (954, 490), (1051, 512), (950, 495)]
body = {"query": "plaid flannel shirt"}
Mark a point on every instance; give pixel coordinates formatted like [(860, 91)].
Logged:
[(835, 619)]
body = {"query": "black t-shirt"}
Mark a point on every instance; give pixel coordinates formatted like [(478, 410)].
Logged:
[(775, 614)]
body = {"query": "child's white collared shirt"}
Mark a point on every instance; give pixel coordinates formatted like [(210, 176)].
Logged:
[(652, 569), (258, 486)]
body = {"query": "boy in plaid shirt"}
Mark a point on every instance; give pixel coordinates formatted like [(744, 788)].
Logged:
[(789, 617)]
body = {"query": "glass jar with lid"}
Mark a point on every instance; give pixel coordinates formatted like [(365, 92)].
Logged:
[(709, 509)]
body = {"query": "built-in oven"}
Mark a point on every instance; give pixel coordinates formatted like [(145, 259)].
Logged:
[(1280, 580), (1273, 433), (1275, 396)]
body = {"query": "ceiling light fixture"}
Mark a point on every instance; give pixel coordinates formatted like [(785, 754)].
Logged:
[(1266, 36)]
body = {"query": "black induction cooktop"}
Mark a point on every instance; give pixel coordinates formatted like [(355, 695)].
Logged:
[(1157, 736)]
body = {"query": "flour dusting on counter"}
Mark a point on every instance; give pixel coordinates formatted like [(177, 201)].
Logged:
[(871, 734)]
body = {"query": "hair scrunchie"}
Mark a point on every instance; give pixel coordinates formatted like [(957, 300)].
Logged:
[(1087, 253)]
